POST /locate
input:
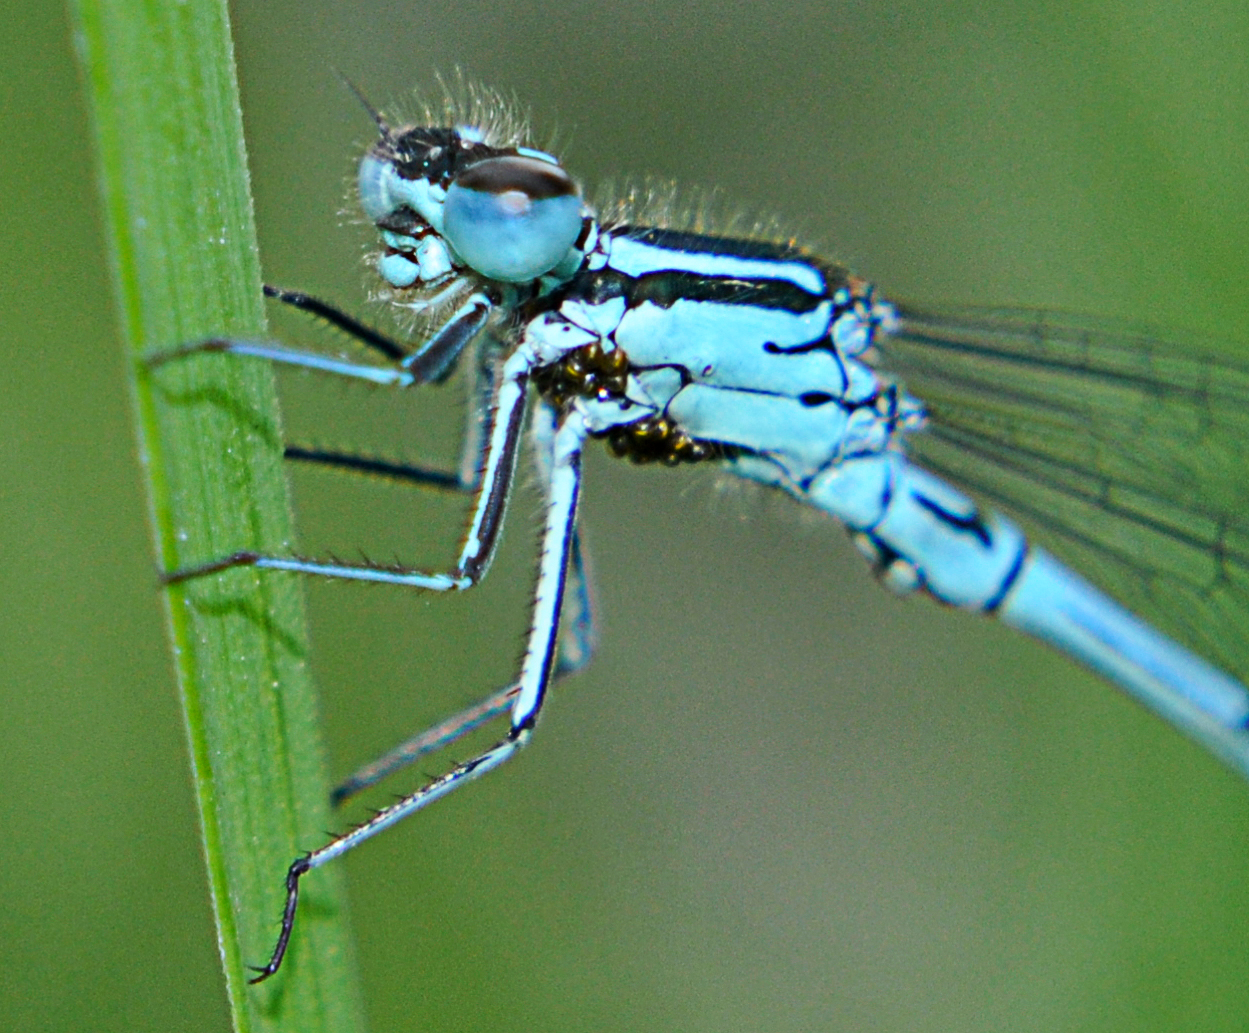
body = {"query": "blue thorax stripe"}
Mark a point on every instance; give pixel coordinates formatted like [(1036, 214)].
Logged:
[(639, 251), (663, 267)]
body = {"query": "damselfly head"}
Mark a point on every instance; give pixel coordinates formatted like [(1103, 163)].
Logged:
[(446, 200)]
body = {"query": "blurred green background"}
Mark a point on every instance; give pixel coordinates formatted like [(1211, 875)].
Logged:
[(780, 799)]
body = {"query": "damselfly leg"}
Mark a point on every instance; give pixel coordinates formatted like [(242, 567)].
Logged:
[(504, 422), (487, 471), (577, 630), (537, 669)]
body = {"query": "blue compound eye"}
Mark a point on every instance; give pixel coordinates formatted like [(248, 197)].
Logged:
[(512, 218)]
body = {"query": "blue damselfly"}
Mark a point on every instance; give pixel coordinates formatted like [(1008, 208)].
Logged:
[(1118, 449)]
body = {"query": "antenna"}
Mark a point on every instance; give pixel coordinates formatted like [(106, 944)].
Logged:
[(382, 125)]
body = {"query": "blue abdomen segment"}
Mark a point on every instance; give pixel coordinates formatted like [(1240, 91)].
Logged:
[(919, 524), (1058, 606)]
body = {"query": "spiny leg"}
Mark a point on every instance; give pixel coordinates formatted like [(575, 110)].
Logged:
[(447, 731), (332, 314), (430, 740), (483, 375), (576, 641), (577, 634), (504, 431), (431, 363), (535, 676), (577, 637)]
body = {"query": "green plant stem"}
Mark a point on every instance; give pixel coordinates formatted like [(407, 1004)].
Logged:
[(173, 175)]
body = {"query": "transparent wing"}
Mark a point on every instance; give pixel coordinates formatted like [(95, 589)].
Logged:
[(1122, 451)]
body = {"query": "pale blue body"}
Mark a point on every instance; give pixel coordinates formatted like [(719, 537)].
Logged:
[(754, 355)]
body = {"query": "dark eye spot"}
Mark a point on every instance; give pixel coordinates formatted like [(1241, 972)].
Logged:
[(813, 398), (535, 179)]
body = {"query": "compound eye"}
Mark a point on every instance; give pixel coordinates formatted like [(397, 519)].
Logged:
[(512, 218)]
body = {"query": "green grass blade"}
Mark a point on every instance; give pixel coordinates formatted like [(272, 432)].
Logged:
[(173, 174)]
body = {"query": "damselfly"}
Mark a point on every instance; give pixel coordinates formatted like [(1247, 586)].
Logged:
[(674, 345)]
